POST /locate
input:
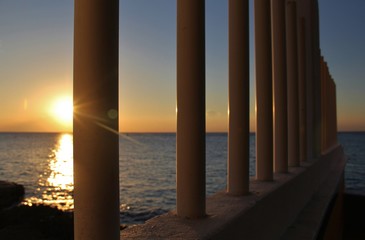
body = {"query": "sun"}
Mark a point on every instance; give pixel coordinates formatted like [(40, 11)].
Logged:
[(62, 110)]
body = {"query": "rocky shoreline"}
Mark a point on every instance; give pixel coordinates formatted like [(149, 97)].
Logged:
[(30, 222), (11, 194)]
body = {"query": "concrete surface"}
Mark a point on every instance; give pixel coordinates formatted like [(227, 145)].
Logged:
[(267, 213)]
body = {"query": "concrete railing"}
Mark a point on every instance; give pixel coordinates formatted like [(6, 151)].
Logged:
[(296, 145), (293, 206)]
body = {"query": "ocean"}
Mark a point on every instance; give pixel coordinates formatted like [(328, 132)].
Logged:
[(42, 162)]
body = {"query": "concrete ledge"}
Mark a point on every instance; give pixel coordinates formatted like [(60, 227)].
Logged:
[(267, 213), (322, 215)]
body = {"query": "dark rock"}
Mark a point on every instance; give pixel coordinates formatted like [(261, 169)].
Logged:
[(36, 222), (11, 194), (354, 215)]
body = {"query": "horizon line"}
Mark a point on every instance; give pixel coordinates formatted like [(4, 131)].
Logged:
[(150, 132)]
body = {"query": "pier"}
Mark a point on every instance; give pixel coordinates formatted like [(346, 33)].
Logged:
[(297, 192)]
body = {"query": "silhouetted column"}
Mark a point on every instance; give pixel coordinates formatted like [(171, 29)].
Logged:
[(95, 133), (264, 106), (334, 113), (331, 117), (292, 75), (302, 78), (310, 81), (280, 86), (316, 80), (239, 97), (324, 104), (190, 145), (328, 108)]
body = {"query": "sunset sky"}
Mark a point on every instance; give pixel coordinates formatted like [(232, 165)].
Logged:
[(36, 44)]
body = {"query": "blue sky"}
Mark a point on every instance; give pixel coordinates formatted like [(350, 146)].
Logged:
[(36, 62)]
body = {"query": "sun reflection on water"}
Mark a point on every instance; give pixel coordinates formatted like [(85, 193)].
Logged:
[(56, 183), (61, 165)]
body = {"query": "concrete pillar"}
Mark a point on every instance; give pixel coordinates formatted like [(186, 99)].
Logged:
[(329, 113), (331, 116), (316, 80), (334, 102), (302, 78), (239, 98), (292, 75), (310, 80), (264, 105), (280, 86), (334, 109), (190, 136), (323, 103), (95, 134)]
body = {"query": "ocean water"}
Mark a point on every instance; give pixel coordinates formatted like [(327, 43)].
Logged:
[(354, 145), (42, 162)]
